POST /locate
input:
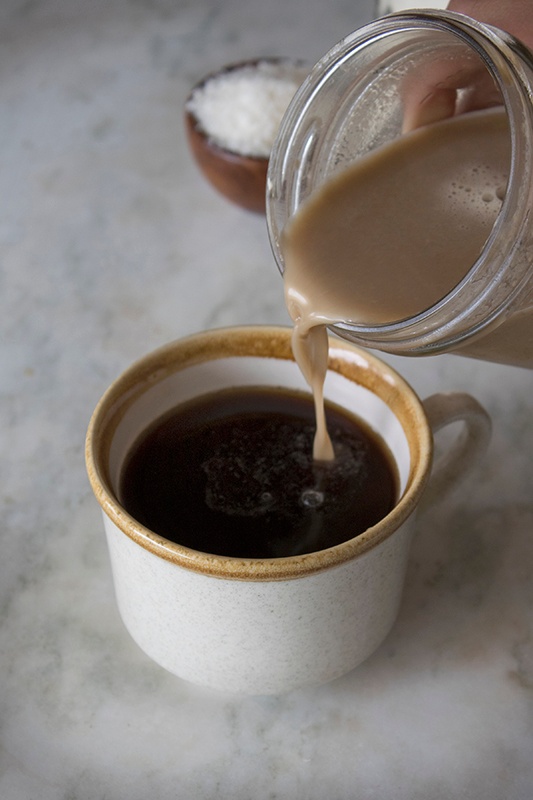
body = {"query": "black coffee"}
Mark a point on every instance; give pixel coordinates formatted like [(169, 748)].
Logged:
[(233, 474)]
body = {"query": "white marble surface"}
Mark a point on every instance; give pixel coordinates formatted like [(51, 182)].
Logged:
[(111, 244)]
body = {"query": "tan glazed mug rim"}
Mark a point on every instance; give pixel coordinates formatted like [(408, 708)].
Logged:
[(264, 342)]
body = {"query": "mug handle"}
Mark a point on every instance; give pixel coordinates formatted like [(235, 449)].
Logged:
[(470, 445)]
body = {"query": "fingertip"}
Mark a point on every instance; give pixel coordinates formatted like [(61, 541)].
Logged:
[(437, 105)]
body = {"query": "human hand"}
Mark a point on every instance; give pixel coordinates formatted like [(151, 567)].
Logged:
[(513, 16), (462, 83)]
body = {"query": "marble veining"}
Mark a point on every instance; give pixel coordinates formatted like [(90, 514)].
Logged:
[(111, 244)]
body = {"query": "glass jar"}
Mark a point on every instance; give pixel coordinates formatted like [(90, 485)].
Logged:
[(350, 104)]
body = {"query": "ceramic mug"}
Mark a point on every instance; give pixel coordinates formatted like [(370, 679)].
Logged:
[(266, 626)]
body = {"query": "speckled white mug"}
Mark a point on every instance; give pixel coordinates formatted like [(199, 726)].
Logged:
[(268, 626)]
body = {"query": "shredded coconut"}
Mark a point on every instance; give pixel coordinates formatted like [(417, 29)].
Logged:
[(241, 109)]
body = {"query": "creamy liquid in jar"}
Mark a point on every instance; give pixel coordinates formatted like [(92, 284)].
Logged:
[(392, 234)]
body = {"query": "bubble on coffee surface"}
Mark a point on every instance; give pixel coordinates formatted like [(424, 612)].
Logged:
[(252, 475), (311, 498)]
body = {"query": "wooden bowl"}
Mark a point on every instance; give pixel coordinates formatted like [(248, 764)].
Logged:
[(239, 178)]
